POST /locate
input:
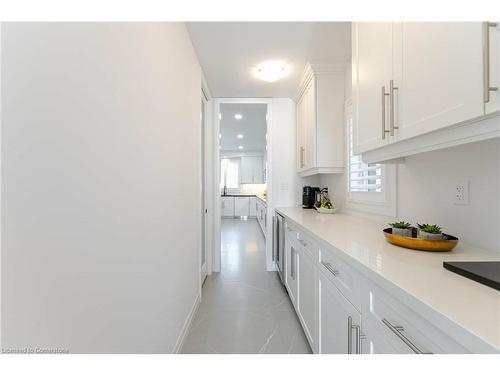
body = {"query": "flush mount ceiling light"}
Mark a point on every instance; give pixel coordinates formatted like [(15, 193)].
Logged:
[(240, 136), (272, 70), (238, 116), (240, 147)]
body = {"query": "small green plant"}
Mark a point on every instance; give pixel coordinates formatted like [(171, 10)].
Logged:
[(430, 228), (400, 225)]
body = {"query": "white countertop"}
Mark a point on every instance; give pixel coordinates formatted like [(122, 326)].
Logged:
[(471, 305)]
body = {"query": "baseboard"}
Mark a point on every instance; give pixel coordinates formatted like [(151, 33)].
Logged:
[(187, 324)]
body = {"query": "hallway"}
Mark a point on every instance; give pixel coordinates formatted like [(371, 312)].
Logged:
[(244, 308)]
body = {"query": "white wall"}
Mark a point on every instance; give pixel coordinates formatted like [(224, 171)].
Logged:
[(283, 181), (426, 188), (100, 185)]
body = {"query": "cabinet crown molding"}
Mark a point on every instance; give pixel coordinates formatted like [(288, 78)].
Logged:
[(316, 69)]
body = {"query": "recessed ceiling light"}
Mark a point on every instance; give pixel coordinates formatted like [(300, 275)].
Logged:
[(240, 147), (272, 70), (240, 136), (238, 116)]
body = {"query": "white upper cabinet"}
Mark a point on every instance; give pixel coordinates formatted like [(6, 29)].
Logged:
[(491, 32), (437, 71), (252, 170), (422, 86), (371, 73), (320, 123)]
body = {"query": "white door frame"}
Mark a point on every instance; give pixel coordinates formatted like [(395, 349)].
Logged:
[(216, 198), (206, 185)]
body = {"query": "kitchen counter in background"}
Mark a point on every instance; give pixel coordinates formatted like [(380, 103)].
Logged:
[(261, 197), (412, 274)]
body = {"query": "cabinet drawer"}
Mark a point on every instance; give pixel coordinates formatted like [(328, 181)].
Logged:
[(343, 276), (397, 326)]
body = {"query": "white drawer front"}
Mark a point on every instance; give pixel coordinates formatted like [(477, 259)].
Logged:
[(345, 278), (396, 325)]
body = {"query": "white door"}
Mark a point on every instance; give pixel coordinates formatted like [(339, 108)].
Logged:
[(338, 320), (438, 70), (371, 71), (291, 271), (241, 206), (227, 208), (308, 300), (493, 33)]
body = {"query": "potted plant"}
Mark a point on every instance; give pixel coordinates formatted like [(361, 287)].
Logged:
[(402, 229), (326, 206), (430, 232)]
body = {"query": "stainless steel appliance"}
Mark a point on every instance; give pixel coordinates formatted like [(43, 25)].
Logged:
[(279, 244)]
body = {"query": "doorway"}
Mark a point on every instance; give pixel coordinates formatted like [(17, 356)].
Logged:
[(242, 176)]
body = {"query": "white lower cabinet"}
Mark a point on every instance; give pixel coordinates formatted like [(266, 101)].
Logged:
[(343, 311), (307, 296), (393, 327), (291, 270), (227, 206), (339, 321), (261, 215), (241, 206), (253, 207)]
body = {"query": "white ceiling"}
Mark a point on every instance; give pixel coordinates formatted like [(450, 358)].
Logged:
[(252, 126), (228, 51)]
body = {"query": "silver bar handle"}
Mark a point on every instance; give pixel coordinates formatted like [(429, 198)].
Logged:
[(384, 94), (329, 267), (349, 335), (302, 152), (392, 88), (397, 330), (486, 61), (292, 263)]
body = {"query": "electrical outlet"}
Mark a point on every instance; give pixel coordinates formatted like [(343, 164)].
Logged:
[(461, 193)]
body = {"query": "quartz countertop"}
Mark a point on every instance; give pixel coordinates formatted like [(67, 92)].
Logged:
[(421, 275)]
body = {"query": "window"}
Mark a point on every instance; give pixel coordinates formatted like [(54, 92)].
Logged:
[(361, 177), (229, 173), (370, 187)]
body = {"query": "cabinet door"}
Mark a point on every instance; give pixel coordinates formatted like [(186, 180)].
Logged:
[(257, 170), (310, 125), (246, 170), (371, 70), (227, 208), (438, 70), (241, 206), (301, 134), (338, 320), (493, 104), (291, 270), (307, 300), (253, 207)]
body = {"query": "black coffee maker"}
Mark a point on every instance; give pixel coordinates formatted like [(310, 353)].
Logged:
[(310, 196)]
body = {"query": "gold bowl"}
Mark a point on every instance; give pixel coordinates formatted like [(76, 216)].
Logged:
[(416, 243)]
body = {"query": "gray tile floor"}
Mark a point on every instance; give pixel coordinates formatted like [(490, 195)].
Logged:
[(244, 308)]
